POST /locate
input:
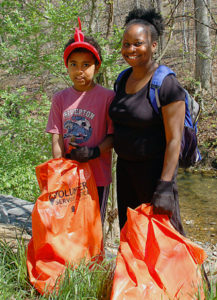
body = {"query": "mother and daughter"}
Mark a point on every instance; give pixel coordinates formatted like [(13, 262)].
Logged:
[(93, 119)]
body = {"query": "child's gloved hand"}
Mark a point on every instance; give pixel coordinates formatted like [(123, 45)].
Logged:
[(83, 153), (163, 198)]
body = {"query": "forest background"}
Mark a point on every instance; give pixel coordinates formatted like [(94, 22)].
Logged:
[(33, 34)]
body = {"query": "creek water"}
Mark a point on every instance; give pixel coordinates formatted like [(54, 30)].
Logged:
[(198, 205)]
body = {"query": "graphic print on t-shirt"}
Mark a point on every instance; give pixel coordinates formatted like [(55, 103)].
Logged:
[(79, 127)]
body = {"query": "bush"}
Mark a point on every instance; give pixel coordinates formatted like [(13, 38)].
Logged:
[(24, 143)]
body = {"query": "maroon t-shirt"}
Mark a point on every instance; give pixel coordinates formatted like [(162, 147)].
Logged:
[(138, 130)]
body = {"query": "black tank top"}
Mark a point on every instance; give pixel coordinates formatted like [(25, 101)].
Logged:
[(138, 130)]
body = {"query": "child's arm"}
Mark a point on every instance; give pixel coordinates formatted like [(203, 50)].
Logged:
[(57, 145)]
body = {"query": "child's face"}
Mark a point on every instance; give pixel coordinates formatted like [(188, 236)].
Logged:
[(82, 68)]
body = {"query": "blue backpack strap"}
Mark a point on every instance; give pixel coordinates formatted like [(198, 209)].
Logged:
[(156, 82), (119, 78), (157, 79)]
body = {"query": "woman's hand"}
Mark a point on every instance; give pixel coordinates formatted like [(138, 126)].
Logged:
[(163, 198)]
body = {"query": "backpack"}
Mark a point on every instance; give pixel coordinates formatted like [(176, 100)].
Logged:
[(189, 152)]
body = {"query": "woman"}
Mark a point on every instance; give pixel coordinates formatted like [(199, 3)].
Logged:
[(147, 144)]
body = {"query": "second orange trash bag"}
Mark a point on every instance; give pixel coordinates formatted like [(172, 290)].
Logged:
[(66, 222), (154, 261)]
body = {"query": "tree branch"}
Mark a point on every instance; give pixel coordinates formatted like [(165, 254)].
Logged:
[(193, 18), (167, 45)]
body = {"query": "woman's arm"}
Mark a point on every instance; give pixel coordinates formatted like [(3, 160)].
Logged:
[(107, 143), (173, 118), (57, 145)]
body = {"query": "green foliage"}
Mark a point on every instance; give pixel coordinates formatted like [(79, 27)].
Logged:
[(86, 281), (91, 281), (24, 143), (13, 271), (111, 55), (33, 34), (202, 55)]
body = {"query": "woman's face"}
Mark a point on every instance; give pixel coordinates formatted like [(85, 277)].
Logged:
[(137, 47)]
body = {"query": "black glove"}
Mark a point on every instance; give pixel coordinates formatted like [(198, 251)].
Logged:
[(83, 153), (163, 198)]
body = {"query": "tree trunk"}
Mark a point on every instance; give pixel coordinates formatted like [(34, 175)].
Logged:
[(110, 20), (203, 44), (185, 44), (161, 39), (92, 14), (149, 4), (137, 4)]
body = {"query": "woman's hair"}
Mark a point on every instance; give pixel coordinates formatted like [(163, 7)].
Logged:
[(87, 39), (149, 18)]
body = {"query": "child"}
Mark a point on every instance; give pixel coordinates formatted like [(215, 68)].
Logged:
[(79, 114)]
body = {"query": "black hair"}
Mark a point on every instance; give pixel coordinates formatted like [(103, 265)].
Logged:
[(149, 18), (87, 39)]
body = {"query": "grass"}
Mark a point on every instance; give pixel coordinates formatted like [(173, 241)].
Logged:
[(84, 282), (78, 283), (13, 272), (211, 292)]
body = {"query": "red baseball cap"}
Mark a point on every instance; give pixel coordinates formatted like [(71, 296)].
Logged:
[(79, 43)]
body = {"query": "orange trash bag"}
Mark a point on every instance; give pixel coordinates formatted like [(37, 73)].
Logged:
[(154, 261), (66, 222)]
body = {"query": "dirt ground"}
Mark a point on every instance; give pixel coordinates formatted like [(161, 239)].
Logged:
[(12, 234)]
